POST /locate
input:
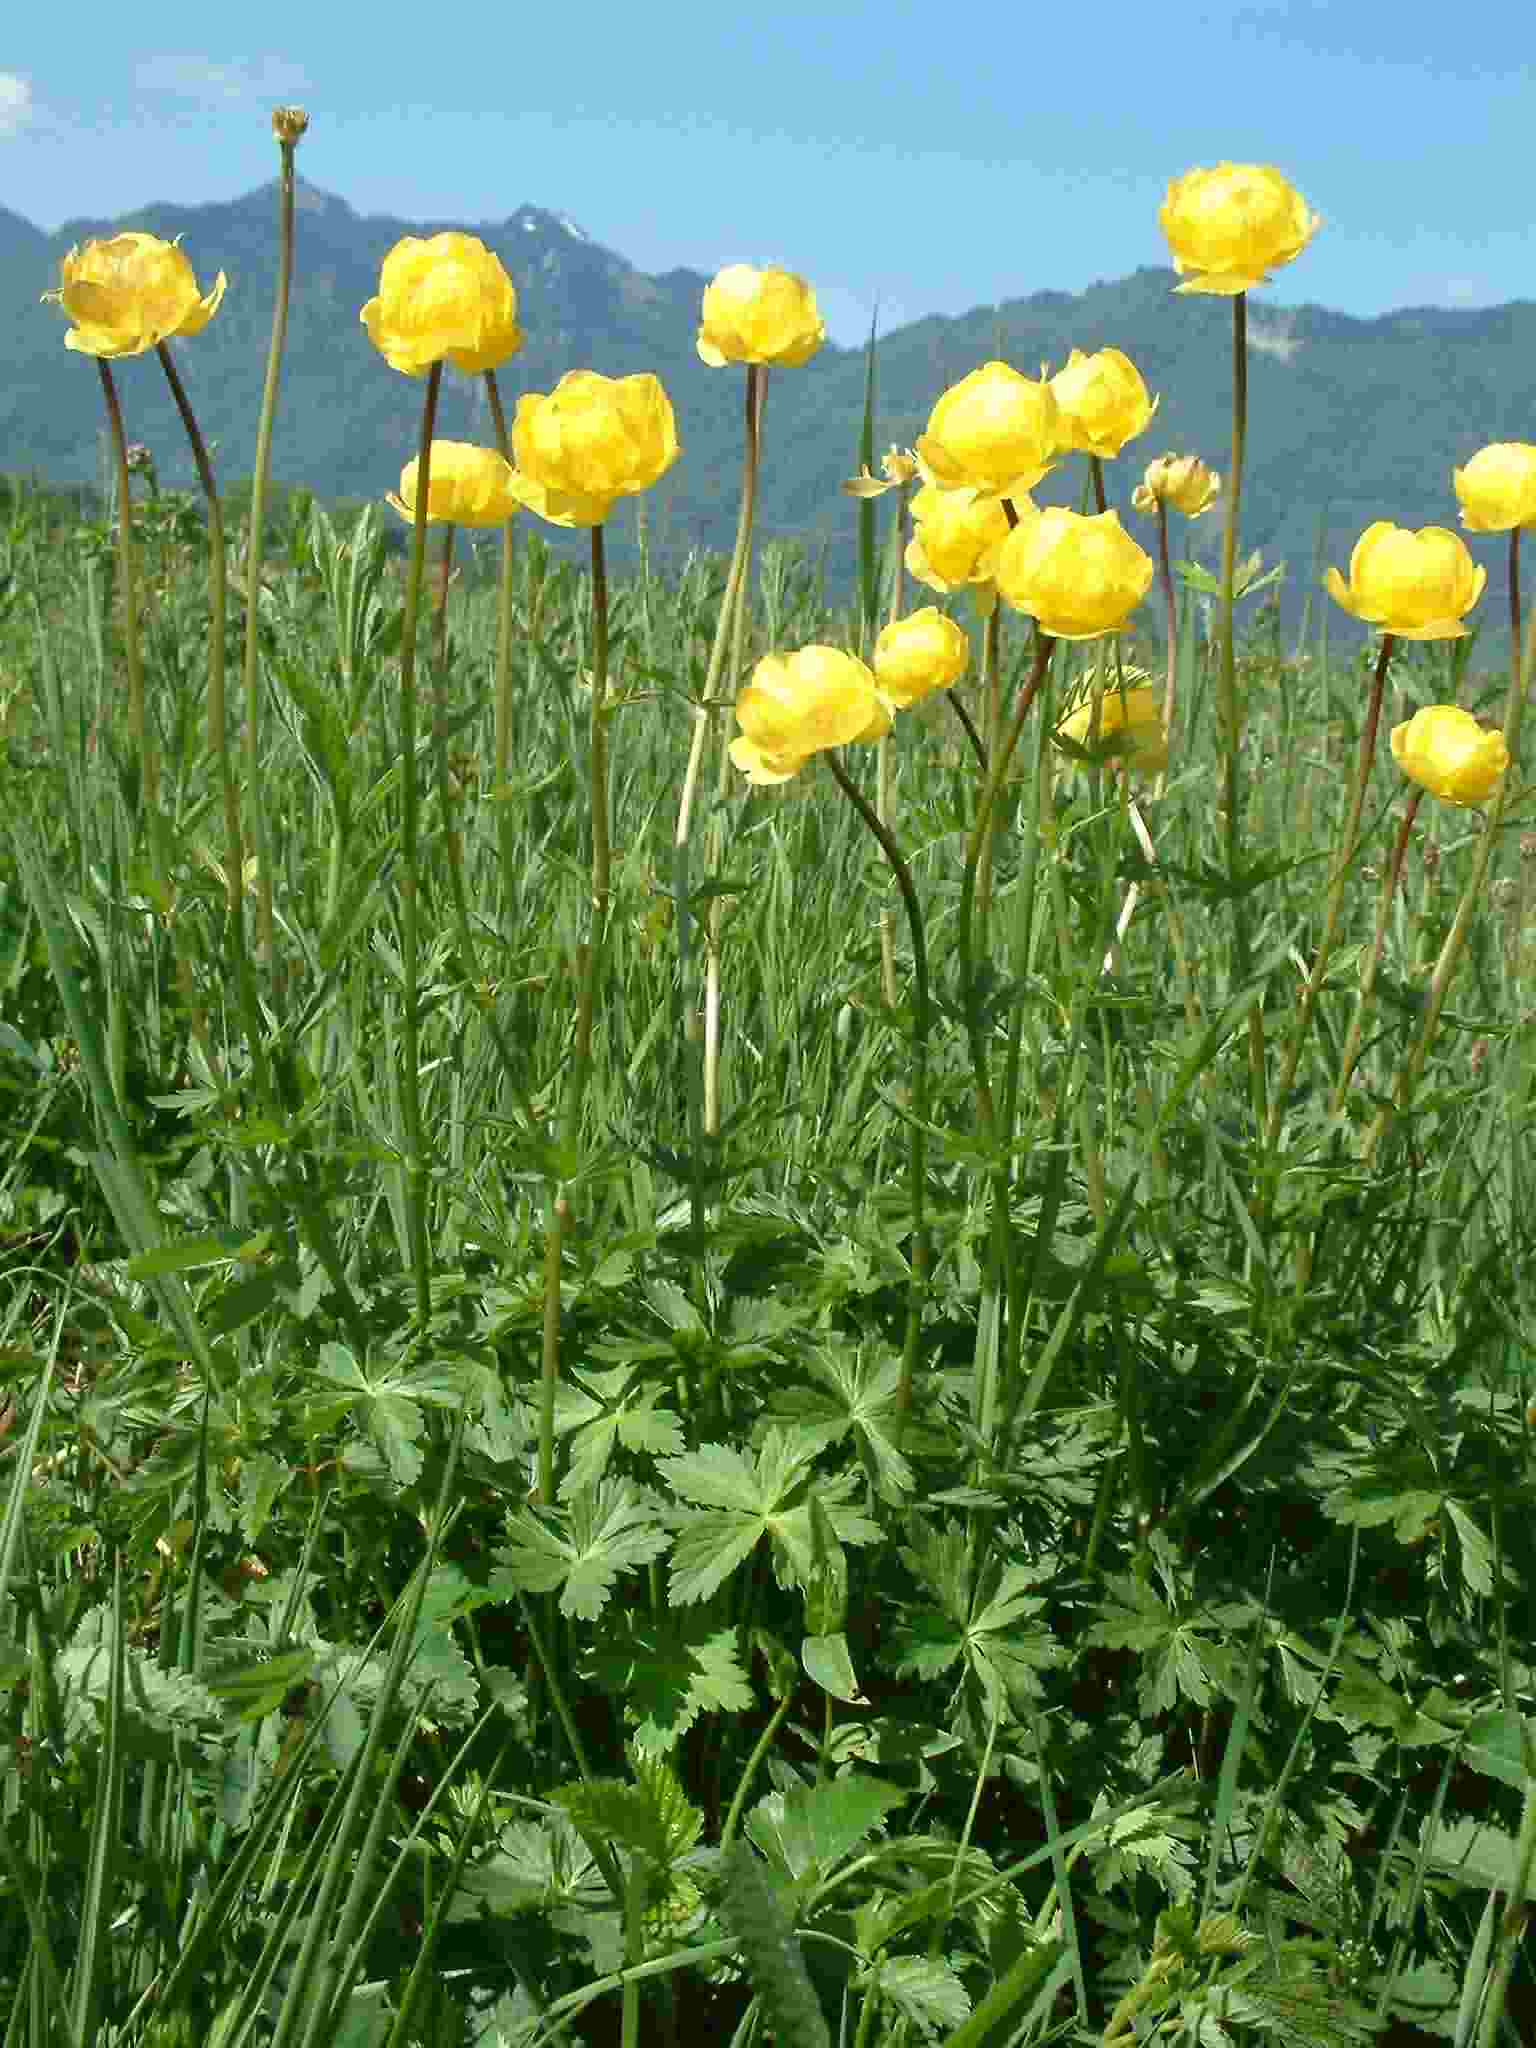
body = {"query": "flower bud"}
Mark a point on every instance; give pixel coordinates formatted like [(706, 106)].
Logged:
[(1182, 481)]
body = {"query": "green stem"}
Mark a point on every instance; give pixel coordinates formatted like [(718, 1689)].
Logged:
[(589, 970), (1349, 846), (1096, 473), (754, 1763), (311, 1211), (1389, 882), (1044, 647), (410, 858), (1228, 707), (253, 554), (128, 576), (756, 384), (1456, 939), (921, 1019), (992, 713)]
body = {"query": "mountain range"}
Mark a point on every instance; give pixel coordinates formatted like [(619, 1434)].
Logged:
[(1351, 420)]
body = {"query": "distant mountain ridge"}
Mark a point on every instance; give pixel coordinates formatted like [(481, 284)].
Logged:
[(1351, 420)]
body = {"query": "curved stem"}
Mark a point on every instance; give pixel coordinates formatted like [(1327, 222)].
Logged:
[(978, 746), (253, 553), (921, 1020), (1450, 953), (128, 576), (410, 831), (1349, 845)]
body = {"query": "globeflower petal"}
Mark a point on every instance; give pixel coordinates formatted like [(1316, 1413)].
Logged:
[(1497, 489), (799, 704), (469, 486), (129, 293), (1103, 402), (443, 298), (1418, 586), (1079, 576), (995, 432), (1447, 752), (1230, 226), (591, 440), (766, 316)]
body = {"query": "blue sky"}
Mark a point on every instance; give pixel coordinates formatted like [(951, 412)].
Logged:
[(931, 158)]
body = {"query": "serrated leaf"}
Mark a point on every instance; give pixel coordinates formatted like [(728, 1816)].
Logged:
[(582, 1549), (817, 1825), (668, 1672), (926, 1990)]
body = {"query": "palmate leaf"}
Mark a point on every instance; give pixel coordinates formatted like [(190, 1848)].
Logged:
[(856, 1396), (580, 1549), (667, 1673), (387, 1402), (924, 1989), (615, 1411), (740, 1501)]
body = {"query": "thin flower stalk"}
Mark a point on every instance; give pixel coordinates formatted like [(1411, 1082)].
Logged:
[(885, 761), (917, 1157), (288, 125), (504, 612), (410, 856), (1412, 1068), (1389, 882), (1228, 705), (312, 1213), (128, 576), (1349, 845), (992, 714), (590, 960), (754, 394)]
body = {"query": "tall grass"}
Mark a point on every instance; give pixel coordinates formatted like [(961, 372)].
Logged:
[(1167, 1666)]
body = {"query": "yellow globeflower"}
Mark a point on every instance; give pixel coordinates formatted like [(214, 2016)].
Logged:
[(1103, 402), (446, 298), (759, 316), (995, 431), (798, 704), (1497, 488), (955, 539), (1447, 752), (1182, 481), (1229, 227), (1416, 585), (919, 654), (127, 294), (1079, 575), (470, 486), (591, 440), (1131, 726)]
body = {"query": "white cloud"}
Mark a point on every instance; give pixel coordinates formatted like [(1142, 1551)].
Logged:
[(15, 104), (212, 82), (1465, 291)]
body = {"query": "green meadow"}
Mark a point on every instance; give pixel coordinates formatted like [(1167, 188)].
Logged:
[(814, 1447)]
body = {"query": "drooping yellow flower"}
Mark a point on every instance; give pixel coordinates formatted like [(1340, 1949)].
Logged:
[(759, 316), (1231, 226), (589, 441), (130, 293), (1447, 752), (1497, 489), (1078, 575), (919, 654), (955, 539), (443, 299), (1131, 725), (1102, 400), (470, 486), (996, 432), (796, 705), (1182, 481), (1416, 585)]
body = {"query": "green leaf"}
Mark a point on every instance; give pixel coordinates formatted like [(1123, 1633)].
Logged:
[(667, 1672), (815, 1826), (582, 1549), (828, 1664)]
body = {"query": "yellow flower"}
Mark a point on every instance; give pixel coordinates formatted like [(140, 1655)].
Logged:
[(470, 486), (130, 293), (919, 654), (798, 704), (995, 432), (1417, 585), (1079, 575), (1497, 488), (955, 539), (1182, 481), (1229, 227), (1444, 749), (1103, 402), (759, 316), (1130, 726), (591, 440), (443, 298)]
